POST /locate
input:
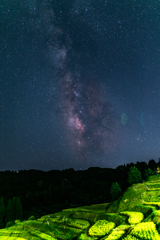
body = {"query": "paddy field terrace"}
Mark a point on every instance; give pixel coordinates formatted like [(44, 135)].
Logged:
[(134, 216)]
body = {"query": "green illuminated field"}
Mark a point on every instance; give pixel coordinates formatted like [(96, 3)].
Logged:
[(134, 216)]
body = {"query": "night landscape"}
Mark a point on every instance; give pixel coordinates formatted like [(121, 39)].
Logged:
[(80, 120)]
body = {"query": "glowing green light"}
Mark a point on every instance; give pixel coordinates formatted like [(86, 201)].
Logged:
[(124, 118)]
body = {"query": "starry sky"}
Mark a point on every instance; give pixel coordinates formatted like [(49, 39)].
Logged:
[(80, 83)]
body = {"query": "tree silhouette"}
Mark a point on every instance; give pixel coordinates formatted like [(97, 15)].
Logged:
[(9, 212), (152, 164), (2, 212), (115, 190), (14, 207), (19, 211), (148, 172), (134, 176)]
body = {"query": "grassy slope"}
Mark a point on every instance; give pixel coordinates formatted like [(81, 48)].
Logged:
[(135, 215)]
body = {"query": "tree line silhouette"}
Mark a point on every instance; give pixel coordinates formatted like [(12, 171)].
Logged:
[(39, 193), (10, 212)]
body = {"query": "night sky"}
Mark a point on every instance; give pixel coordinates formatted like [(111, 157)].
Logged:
[(80, 83)]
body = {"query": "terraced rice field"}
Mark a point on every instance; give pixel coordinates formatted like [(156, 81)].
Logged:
[(135, 216)]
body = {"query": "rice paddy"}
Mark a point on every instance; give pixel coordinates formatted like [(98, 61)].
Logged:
[(134, 216)]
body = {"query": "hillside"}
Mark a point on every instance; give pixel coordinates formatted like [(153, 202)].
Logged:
[(134, 216)]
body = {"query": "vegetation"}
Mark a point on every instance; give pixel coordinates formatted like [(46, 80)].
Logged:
[(12, 212), (44, 192), (145, 231), (101, 228), (134, 176), (72, 204), (148, 172), (134, 217), (115, 190), (115, 235), (2, 212)]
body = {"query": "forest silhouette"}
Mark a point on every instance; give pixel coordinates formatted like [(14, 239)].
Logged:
[(36, 193)]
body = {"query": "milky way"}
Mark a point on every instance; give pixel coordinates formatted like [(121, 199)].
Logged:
[(88, 116), (87, 113), (80, 83)]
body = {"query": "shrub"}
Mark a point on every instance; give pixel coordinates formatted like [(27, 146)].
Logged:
[(9, 224), (148, 172), (156, 218), (134, 217), (145, 231), (115, 235), (134, 176), (101, 228), (115, 190), (84, 236), (17, 221), (31, 218), (78, 223), (112, 217), (42, 235), (130, 237), (145, 209)]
